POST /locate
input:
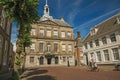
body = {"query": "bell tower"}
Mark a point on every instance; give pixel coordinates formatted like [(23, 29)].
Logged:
[(46, 15), (46, 9)]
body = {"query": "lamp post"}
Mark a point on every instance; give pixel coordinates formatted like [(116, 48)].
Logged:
[(68, 63)]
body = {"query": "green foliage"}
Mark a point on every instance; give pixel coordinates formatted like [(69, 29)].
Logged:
[(24, 13), (18, 61), (18, 64)]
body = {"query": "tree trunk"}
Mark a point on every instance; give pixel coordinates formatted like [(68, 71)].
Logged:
[(24, 60)]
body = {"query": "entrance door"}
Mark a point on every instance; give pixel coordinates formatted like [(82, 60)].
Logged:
[(56, 60), (49, 61), (41, 60)]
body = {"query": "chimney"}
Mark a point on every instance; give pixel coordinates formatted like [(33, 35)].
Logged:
[(78, 34), (62, 19)]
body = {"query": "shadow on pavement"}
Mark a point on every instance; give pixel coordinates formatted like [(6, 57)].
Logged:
[(44, 77), (34, 72)]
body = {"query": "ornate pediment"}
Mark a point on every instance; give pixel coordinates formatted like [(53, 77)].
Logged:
[(48, 22)]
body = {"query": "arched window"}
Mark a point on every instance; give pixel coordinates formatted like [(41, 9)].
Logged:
[(41, 60), (46, 9)]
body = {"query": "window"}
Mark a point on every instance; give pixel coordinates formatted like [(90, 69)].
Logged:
[(118, 20), (32, 47), (63, 34), (31, 59), (69, 48), (32, 32), (104, 40), (63, 47), (112, 37), (49, 33), (46, 9), (93, 31), (115, 53), (106, 54), (86, 47), (41, 33), (1, 44), (97, 42), (69, 35), (55, 33), (41, 46), (55, 47), (98, 56), (48, 47), (91, 44)]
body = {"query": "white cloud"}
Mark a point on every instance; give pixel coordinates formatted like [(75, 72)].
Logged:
[(73, 13), (95, 19), (14, 46), (77, 2), (71, 17)]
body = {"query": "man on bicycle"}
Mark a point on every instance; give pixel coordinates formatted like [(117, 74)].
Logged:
[(93, 62)]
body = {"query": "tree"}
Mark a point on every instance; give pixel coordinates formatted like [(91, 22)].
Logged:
[(24, 13)]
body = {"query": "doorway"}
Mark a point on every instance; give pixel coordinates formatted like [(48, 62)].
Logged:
[(41, 61), (56, 60), (48, 60)]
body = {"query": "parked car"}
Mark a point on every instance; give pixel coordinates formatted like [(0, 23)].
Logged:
[(117, 66)]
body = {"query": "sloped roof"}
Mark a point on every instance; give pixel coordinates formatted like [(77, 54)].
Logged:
[(104, 28), (59, 22)]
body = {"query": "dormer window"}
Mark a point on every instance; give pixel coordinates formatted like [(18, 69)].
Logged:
[(118, 20), (93, 31)]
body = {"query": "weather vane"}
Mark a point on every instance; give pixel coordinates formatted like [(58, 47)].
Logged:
[(46, 2)]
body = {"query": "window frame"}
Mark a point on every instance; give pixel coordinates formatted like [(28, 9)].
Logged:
[(42, 32), (32, 59), (32, 47), (113, 37), (104, 40), (116, 57), (99, 57), (97, 42), (41, 47), (63, 34), (106, 55)]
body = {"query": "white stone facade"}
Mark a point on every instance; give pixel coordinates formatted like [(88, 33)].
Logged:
[(113, 49)]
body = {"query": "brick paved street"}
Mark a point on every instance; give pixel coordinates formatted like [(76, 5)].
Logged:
[(69, 73)]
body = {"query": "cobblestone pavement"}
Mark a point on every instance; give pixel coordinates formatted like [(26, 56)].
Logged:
[(69, 73)]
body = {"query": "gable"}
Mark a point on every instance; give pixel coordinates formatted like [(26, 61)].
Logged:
[(48, 22)]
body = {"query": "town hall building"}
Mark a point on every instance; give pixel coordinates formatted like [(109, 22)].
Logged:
[(52, 42)]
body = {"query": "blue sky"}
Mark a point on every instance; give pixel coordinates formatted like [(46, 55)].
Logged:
[(80, 14)]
